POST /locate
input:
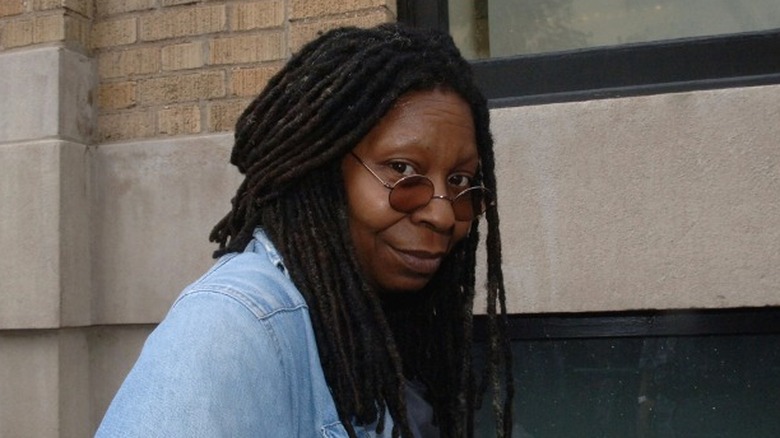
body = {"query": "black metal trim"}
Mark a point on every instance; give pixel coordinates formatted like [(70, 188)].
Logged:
[(426, 13), (669, 66), (737, 60), (742, 321), (643, 90)]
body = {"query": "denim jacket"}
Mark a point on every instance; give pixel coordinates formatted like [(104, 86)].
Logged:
[(235, 357)]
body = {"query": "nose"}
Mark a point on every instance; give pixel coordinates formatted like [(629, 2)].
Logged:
[(437, 214)]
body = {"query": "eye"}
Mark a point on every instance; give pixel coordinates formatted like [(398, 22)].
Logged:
[(460, 181), (403, 169)]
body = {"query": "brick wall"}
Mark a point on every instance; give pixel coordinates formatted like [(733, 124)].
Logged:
[(178, 67), (157, 86), (29, 22)]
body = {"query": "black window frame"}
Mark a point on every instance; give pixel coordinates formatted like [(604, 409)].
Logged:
[(536, 335), (648, 323), (686, 64)]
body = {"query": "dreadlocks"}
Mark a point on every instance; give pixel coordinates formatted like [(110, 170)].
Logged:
[(289, 144)]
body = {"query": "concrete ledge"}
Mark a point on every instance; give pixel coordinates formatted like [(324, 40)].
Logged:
[(74, 383), (655, 202), (74, 240), (44, 379), (44, 278), (29, 382), (155, 203)]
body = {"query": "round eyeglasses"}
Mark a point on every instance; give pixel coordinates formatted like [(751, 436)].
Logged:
[(415, 191)]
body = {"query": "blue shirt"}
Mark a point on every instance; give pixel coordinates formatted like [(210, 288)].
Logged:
[(235, 357)]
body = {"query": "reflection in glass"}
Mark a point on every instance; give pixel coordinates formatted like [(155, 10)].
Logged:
[(651, 387), (497, 28)]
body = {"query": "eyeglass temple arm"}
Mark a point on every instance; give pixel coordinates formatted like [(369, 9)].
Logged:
[(379, 178)]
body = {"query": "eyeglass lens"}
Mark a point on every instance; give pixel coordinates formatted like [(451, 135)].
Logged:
[(416, 191)]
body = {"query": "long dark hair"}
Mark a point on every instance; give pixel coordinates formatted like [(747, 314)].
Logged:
[(289, 144)]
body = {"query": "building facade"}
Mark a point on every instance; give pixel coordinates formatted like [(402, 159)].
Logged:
[(115, 132)]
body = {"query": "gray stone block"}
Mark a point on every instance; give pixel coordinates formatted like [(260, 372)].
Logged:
[(655, 202), (49, 91), (43, 224), (155, 204)]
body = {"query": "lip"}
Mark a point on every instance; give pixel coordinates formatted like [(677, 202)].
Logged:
[(420, 261)]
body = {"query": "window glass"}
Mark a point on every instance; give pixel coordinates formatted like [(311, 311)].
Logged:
[(683, 386), (499, 28)]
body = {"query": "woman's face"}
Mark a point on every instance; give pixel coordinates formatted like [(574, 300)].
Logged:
[(429, 133)]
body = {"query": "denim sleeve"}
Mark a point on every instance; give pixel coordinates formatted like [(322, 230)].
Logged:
[(211, 368)]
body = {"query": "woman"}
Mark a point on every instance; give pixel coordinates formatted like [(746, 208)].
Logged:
[(341, 303)]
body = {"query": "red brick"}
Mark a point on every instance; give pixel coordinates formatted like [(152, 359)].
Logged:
[(247, 48), (320, 8), (179, 22), (104, 8), (250, 81), (129, 62), (17, 33), (11, 7), (224, 114), (257, 15), (120, 95), (125, 125), (182, 88), (306, 30), (179, 120), (114, 32), (183, 56)]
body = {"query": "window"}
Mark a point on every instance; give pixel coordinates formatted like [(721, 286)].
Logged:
[(534, 51), (648, 374), (498, 28), (673, 374)]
